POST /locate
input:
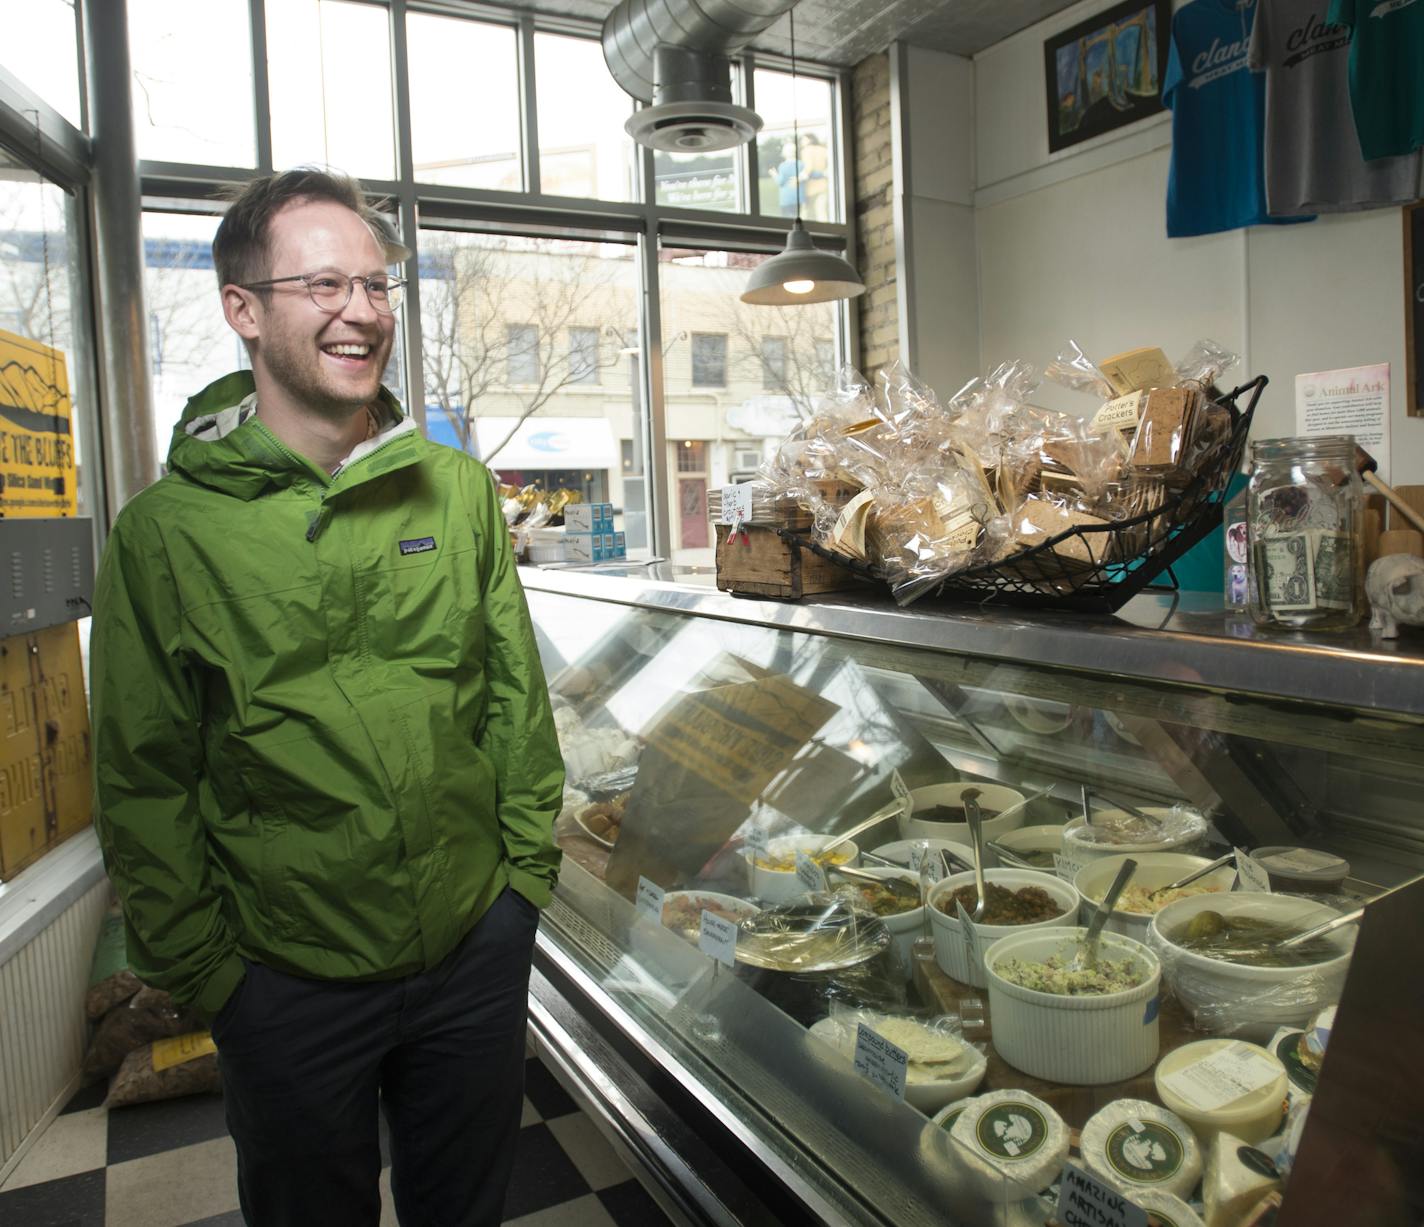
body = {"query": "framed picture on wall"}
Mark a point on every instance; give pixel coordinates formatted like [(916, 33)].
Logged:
[(1414, 309), (1106, 72)]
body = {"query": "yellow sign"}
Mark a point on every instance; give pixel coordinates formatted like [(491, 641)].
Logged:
[(37, 475), (181, 1049)]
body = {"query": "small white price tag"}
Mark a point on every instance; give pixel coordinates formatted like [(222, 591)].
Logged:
[(879, 1061), (966, 933), (1250, 875), (1085, 1201), (897, 786), (756, 841), (650, 899), (810, 874), (930, 858), (718, 938), (1065, 866), (737, 503)]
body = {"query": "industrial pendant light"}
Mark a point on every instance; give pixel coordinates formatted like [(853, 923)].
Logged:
[(801, 272)]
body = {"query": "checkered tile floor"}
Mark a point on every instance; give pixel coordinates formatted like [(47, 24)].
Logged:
[(172, 1165)]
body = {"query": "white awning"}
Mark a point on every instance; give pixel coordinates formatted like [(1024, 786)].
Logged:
[(547, 443)]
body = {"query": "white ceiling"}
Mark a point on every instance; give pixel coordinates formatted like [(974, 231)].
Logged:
[(844, 32)]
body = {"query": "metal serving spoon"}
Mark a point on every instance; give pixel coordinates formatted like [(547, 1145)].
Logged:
[(1220, 863), (1087, 953), (969, 798)]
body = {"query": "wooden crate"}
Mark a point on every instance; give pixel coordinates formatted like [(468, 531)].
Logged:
[(45, 784), (760, 563)]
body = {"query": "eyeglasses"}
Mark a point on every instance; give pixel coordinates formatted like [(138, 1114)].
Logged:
[(332, 291)]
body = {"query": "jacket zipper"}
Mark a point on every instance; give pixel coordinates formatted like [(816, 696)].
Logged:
[(319, 518)]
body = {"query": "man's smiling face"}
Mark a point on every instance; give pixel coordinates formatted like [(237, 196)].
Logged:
[(325, 363)]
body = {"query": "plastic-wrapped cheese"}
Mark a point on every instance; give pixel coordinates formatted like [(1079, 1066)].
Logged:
[(1237, 1177), (1224, 1086), (1169, 1211), (1012, 1144), (1133, 1144)]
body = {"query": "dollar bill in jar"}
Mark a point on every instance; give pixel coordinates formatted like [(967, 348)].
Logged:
[(1304, 527)]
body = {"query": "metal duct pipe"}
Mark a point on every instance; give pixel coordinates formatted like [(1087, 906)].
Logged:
[(634, 31), (675, 56)]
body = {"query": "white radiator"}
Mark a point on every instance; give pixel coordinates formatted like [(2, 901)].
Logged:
[(42, 1025)]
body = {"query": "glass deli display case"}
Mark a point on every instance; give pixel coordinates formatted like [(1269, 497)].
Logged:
[(779, 1031)]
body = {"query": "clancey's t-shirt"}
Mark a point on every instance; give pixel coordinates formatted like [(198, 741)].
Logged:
[(1386, 72), (1217, 178), (1313, 159)]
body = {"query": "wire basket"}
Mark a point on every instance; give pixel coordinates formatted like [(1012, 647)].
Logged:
[(1108, 564)]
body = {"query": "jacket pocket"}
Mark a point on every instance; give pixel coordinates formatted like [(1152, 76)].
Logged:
[(273, 882)]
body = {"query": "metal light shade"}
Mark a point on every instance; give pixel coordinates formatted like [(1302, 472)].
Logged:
[(813, 274)]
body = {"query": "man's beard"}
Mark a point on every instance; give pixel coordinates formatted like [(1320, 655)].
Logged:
[(310, 386)]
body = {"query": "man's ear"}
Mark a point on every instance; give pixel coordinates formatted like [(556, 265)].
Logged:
[(242, 312)]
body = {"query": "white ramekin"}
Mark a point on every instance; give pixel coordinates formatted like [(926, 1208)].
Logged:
[(1154, 869), (1088, 1040), (951, 954), (782, 885), (993, 799)]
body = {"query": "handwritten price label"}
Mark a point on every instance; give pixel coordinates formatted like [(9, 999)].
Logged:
[(650, 899), (718, 938), (879, 1061)]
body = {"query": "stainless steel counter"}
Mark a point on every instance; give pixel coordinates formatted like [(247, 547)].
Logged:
[(1184, 638)]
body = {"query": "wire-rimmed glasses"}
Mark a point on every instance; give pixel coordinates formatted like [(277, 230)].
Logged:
[(332, 291)]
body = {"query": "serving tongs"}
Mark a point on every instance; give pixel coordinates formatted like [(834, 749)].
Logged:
[(1087, 952), (896, 886), (1187, 879)]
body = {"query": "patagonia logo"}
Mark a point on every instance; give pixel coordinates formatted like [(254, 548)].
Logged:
[(417, 545)]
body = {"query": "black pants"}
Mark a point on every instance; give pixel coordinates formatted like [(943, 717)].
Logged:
[(305, 1063)]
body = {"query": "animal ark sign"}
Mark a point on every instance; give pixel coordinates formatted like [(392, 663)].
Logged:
[(37, 474)]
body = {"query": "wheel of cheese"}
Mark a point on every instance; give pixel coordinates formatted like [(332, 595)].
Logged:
[(1237, 1177), (1011, 1143), (1133, 1144), (1188, 1084)]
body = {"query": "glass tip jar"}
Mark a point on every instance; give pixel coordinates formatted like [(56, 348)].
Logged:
[(1304, 519)]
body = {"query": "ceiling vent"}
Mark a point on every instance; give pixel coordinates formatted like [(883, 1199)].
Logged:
[(675, 56)]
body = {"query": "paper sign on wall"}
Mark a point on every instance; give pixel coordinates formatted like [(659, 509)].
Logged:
[(37, 463), (1351, 401)]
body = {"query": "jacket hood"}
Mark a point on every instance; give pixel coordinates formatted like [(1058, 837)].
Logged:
[(219, 445)]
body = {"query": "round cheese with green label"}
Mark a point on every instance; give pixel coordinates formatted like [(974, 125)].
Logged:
[(1012, 1144), (1168, 1210), (1134, 1144)]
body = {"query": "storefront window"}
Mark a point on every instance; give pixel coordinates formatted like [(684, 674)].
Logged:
[(583, 149), (811, 173), (329, 65), (746, 377), (189, 341), (464, 122), (40, 48), (527, 349), (183, 111), (37, 349)]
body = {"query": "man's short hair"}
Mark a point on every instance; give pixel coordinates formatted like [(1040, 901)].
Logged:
[(241, 253)]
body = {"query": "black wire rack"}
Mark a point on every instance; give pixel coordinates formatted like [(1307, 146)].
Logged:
[(1097, 568)]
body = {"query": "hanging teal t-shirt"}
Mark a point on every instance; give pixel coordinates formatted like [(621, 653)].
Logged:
[(1386, 72), (1217, 180)]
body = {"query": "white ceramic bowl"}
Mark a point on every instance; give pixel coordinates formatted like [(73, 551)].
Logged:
[(1250, 1002), (993, 799), (782, 885), (1087, 1040), (928, 1097), (954, 959), (1183, 832), (1045, 838), (900, 850), (1154, 869), (736, 909), (904, 926)]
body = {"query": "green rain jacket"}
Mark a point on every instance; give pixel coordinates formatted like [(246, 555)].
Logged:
[(322, 735)]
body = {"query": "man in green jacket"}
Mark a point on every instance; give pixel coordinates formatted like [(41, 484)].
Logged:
[(325, 764)]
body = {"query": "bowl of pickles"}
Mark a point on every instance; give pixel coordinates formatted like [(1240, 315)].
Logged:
[(1222, 956)]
